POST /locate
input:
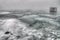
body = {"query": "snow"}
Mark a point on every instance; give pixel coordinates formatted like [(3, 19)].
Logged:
[(46, 27)]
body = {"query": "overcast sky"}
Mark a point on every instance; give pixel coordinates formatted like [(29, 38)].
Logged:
[(29, 4)]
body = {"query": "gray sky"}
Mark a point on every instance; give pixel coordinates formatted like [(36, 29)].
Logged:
[(29, 4)]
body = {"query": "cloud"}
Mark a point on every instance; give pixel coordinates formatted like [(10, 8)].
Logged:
[(28, 4)]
